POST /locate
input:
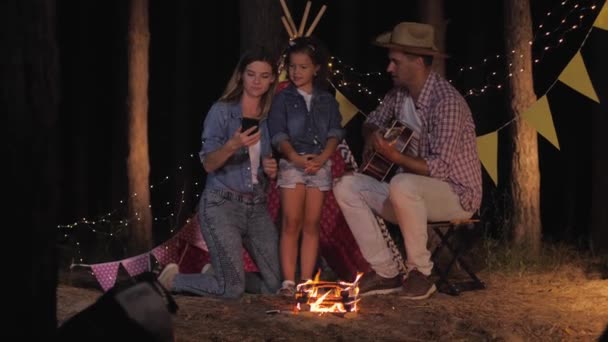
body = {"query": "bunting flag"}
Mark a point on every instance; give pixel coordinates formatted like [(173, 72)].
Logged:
[(106, 274), (137, 264), (347, 108), (539, 116), (601, 21), (191, 233), (575, 76), (168, 252), (487, 147)]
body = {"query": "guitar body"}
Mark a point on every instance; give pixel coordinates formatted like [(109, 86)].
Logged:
[(378, 166)]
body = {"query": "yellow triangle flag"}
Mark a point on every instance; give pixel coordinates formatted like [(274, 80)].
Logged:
[(487, 148), (282, 76), (576, 77), (601, 21), (539, 116), (347, 108)]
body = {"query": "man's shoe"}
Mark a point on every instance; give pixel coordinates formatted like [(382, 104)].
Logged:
[(417, 286), (371, 283), (166, 276)]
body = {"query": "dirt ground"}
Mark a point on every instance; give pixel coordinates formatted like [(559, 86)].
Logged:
[(566, 304)]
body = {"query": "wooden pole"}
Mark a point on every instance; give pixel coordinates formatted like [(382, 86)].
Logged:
[(304, 18), (316, 21), (292, 25)]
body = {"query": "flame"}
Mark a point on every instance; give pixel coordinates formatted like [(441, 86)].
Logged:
[(324, 296)]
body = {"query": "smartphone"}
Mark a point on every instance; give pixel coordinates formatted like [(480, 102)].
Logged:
[(247, 123)]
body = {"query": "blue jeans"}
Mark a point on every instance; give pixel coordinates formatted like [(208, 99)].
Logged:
[(230, 221), (290, 175)]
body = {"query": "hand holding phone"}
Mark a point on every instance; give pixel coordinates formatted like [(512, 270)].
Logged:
[(247, 123)]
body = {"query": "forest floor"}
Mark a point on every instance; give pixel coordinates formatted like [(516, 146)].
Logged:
[(565, 303)]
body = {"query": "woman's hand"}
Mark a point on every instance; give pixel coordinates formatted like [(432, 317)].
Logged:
[(247, 138), (269, 164)]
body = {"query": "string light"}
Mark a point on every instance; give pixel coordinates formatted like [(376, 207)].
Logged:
[(340, 73), (547, 39), (104, 226)]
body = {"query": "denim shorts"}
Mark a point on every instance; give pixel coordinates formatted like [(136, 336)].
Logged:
[(290, 175)]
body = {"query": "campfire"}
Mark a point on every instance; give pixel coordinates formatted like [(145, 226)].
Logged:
[(324, 296)]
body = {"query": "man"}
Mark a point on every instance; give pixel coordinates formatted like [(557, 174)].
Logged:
[(439, 175)]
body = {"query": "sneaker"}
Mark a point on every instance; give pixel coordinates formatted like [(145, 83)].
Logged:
[(288, 289), (207, 269), (166, 276), (417, 286), (371, 283)]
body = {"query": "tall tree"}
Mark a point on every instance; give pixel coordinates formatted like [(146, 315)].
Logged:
[(261, 25), (29, 98), (432, 12), (524, 186), (599, 161), (138, 163)]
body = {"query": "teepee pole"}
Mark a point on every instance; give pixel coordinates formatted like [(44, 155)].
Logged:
[(287, 28), (292, 25), (304, 18), (316, 21)]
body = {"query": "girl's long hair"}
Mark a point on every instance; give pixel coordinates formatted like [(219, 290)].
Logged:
[(234, 88), (317, 52)]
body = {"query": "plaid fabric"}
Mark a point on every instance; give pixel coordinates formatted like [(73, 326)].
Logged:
[(447, 138)]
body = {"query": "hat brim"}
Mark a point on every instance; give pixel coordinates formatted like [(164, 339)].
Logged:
[(383, 40)]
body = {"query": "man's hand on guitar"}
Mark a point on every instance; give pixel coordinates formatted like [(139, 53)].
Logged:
[(383, 146)]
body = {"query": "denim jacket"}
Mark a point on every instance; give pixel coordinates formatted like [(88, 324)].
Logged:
[(220, 124), (307, 131)]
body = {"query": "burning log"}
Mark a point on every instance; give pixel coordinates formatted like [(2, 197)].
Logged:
[(325, 296)]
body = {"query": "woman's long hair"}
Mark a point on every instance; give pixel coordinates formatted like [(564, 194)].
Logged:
[(234, 88)]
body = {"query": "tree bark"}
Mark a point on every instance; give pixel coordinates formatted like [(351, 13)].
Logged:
[(432, 12), (525, 174), (138, 163), (261, 25), (598, 229), (29, 99)]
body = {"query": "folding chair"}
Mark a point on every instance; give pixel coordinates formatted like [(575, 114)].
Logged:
[(447, 231)]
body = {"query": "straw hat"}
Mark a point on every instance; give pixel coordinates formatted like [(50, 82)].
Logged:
[(410, 37)]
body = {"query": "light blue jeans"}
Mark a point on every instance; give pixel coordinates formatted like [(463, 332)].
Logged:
[(229, 221), (290, 175)]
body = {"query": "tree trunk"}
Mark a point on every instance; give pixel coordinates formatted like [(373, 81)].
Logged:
[(29, 98), (432, 12), (261, 25), (598, 229), (138, 164), (525, 173)]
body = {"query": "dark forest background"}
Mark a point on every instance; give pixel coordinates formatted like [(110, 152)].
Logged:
[(63, 97), (194, 46)]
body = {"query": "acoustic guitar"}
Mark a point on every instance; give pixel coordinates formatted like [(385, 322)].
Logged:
[(377, 166)]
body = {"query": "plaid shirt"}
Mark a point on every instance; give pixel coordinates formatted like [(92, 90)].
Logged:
[(447, 137)]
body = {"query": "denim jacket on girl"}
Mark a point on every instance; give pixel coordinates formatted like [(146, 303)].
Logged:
[(307, 131), (220, 124)]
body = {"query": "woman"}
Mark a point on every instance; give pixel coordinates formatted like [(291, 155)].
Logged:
[(233, 209)]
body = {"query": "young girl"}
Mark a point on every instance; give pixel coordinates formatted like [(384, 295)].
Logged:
[(305, 126), (232, 210)]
